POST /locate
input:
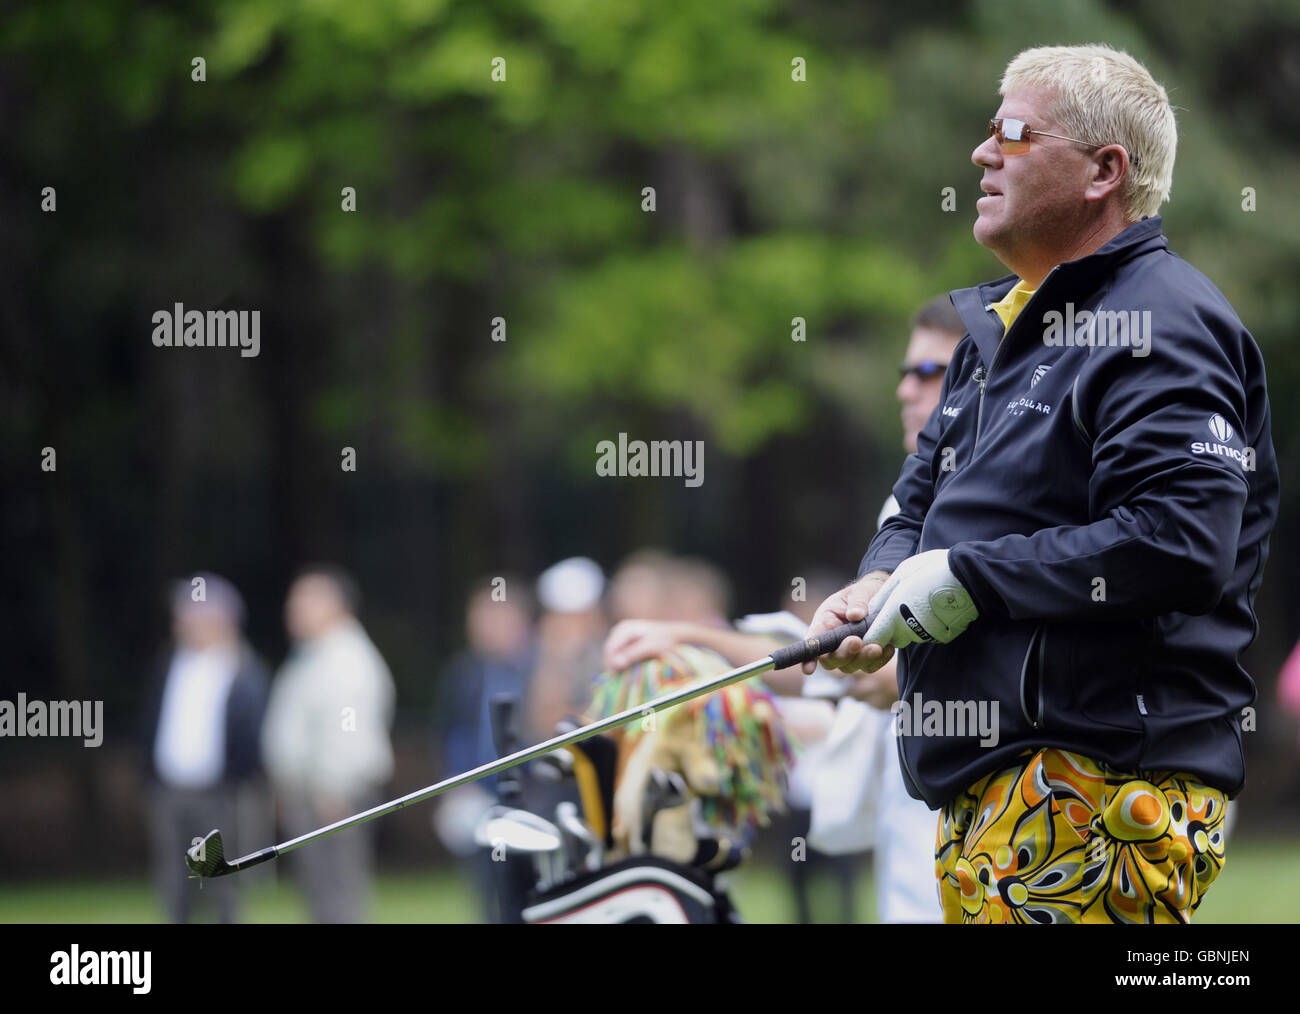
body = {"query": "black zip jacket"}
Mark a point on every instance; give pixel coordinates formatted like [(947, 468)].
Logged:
[(1106, 484)]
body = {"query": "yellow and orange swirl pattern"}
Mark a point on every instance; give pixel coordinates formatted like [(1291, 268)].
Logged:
[(1062, 838)]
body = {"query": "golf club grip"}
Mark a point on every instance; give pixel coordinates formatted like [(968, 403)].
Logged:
[(814, 647)]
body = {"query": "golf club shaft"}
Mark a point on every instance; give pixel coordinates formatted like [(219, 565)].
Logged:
[(793, 654)]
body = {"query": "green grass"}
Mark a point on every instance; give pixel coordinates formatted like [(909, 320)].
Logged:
[(1255, 887)]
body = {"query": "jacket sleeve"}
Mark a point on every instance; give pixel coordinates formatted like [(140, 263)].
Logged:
[(900, 534), (1167, 517)]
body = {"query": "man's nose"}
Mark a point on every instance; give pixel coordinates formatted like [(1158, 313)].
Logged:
[(987, 155)]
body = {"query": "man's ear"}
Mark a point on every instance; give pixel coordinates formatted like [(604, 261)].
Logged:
[(1110, 165)]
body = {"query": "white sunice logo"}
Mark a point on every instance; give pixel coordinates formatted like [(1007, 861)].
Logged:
[(1223, 432), (1039, 373), (1220, 428)]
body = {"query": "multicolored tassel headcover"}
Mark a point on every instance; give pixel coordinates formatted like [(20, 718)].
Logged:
[(740, 724)]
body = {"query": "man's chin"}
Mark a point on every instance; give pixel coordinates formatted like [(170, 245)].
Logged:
[(985, 232)]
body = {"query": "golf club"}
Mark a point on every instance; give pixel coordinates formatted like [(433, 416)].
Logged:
[(584, 849), (664, 791), (206, 858), (554, 767), (524, 832)]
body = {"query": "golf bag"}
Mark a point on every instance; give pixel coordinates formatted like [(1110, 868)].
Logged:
[(548, 871), (639, 889)]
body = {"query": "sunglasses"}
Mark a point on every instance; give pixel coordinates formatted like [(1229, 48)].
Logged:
[(926, 369), (1013, 135)]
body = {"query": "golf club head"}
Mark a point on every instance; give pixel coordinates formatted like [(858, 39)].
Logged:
[(673, 787), (517, 830), (527, 834), (584, 849), (207, 857), (664, 791), (555, 766)]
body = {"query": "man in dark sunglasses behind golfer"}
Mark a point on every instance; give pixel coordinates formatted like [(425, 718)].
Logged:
[(1070, 577)]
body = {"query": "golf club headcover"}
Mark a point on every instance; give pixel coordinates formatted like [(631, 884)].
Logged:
[(921, 602), (672, 747), (717, 855), (672, 835), (730, 746)]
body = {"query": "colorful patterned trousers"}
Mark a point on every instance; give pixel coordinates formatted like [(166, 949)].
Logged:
[(1061, 838)]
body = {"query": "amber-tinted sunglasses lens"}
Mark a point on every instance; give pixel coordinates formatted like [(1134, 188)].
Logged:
[(1012, 135)]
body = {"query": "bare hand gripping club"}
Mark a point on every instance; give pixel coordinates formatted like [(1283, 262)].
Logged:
[(207, 858)]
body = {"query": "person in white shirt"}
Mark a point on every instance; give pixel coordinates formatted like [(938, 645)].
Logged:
[(202, 719), (326, 739)]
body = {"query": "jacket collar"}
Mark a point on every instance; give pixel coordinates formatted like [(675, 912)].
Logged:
[(1079, 278)]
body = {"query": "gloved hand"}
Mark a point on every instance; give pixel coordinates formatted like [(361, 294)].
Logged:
[(921, 601)]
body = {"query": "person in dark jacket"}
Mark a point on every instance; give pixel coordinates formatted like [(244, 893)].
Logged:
[(203, 717), (1070, 577), (496, 662)]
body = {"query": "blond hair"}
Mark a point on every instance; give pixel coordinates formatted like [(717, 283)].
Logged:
[(1104, 96)]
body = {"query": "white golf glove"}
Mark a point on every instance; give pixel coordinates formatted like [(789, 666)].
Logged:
[(921, 601)]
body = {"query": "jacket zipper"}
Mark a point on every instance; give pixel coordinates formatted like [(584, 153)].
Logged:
[(981, 375), (1042, 672), (908, 776)]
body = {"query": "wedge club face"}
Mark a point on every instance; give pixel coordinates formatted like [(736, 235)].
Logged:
[(207, 856)]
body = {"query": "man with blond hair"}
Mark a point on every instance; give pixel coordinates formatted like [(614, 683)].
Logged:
[(1081, 531)]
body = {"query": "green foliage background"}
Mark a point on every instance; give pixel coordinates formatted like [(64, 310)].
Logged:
[(522, 200)]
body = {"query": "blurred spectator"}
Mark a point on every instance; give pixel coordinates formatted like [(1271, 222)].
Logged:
[(326, 738), (841, 868), (1288, 683), (639, 589), (570, 633), (1288, 693), (203, 715), (697, 592), (498, 660)]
